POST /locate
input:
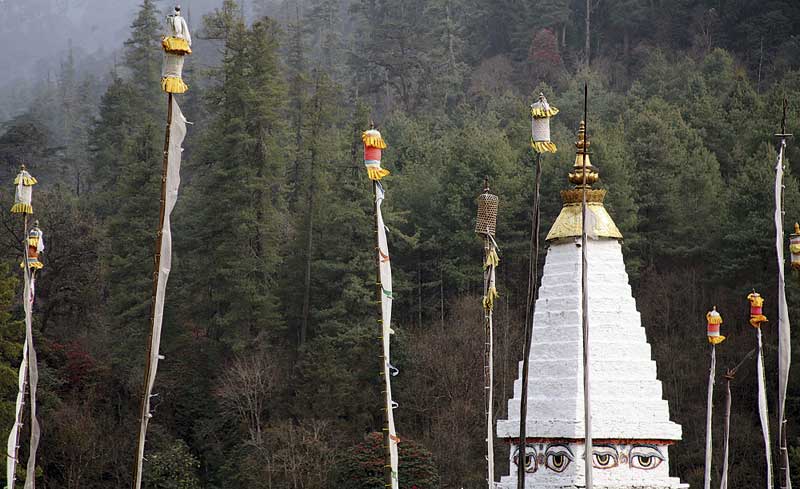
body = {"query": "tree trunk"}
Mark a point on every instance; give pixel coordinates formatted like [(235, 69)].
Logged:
[(588, 30)]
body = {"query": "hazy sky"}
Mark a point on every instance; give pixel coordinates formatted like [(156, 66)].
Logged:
[(35, 34)]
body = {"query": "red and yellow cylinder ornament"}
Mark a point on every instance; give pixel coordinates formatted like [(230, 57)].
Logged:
[(757, 317), (373, 146), (714, 321), (35, 246), (794, 247)]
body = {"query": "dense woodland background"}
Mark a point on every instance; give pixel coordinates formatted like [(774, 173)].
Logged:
[(271, 371)]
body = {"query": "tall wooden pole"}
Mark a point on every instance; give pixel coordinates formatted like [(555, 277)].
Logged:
[(784, 341), (13, 481), (587, 404), (387, 466), (156, 265), (533, 278), (488, 363)]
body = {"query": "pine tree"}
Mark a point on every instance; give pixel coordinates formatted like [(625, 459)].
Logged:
[(237, 221), (143, 55)]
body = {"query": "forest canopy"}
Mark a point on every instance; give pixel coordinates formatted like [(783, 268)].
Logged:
[(268, 379)]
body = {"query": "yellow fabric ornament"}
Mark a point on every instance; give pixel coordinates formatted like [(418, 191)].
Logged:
[(24, 192), (176, 44), (492, 260), (488, 300)]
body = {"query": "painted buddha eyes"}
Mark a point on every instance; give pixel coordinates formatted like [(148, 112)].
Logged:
[(645, 457), (558, 458), (531, 461), (605, 457)]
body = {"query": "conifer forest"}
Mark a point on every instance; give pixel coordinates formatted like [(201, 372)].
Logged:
[(271, 353)]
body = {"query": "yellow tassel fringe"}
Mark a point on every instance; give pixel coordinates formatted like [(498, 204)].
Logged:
[(27, 181), (543, 147), (492, 260), (716, 340), (538, 113), (20, 208), (756, 321), (33, 264), (176, 45), (374, 141), (488, 299), (34, 241), (173, 85), (376, 173)]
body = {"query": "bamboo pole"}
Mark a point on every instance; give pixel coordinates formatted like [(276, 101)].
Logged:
[(587, 404), (488, 369), (21, 419), (387, 466), (709, 410), (533, 280), (784, 342), (137, 482), (730, 375)]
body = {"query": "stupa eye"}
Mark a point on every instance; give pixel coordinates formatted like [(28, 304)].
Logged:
[(531, 461), (605, 457), (558, 458), (645, 457)]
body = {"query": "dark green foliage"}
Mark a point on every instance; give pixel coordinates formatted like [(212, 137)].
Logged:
[(12, 337), (270, 343), (173, 467), (361, 467)]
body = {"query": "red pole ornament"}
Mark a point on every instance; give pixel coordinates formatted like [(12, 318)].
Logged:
[(373, 144), (794, 247), (35, 246), (757, 317), (714, 322)]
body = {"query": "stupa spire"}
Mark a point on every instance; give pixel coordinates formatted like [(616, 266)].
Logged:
[(568, 223)]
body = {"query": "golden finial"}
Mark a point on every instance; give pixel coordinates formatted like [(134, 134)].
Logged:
[(576, 177), (568, 223), (796, 228)]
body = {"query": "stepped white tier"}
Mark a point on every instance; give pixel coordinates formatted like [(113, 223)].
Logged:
[(630, 419)]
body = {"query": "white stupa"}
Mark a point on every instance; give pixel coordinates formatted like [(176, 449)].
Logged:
[(630, 419)]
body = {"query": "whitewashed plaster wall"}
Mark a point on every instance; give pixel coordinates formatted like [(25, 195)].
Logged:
[(627, 400)]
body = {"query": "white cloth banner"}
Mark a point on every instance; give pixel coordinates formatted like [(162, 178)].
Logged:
[(386, 323), (784, 328), (33, 381), (13, 437), (709, 409), (23, 194), (762, 409), (12, 446), (177, 131)]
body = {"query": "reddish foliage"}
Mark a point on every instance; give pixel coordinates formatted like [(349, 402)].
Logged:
[(544, 49)]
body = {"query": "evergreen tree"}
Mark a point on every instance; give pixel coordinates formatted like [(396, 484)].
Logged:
[(143, 56), (237, 201)]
